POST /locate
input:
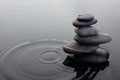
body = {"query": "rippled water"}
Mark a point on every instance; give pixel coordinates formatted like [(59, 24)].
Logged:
[(42, 58), (32, 59)]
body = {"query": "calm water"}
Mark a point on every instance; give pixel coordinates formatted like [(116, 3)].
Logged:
[(21, 19)]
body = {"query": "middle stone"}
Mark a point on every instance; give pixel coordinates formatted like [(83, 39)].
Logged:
[(86, 31)]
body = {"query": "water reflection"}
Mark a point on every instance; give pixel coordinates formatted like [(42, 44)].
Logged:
[(85, 71)]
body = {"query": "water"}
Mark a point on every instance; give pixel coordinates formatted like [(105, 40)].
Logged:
[(35, 59), (27, 18), (43, 58)]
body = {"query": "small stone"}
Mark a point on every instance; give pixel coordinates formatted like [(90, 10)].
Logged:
[(85, 17), (77, 23), (99, 56), (93, 40), (86, 31), (75, 48)]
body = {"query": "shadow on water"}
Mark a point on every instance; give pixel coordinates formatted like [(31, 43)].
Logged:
[(85, 71)]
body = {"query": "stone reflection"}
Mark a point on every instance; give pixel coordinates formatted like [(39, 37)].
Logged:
[(85, 71)]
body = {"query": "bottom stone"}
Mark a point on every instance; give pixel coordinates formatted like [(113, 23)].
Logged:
[(99, 56), (76, 48)]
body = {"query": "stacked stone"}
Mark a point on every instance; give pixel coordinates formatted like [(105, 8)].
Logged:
[(86, 46)]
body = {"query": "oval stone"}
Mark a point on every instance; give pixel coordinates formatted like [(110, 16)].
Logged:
[(99, 56), (86, 31), (75, 48), (78, 24), (93, 40), (85, 17)]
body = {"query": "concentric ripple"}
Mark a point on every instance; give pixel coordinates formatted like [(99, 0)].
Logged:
[(50, 56), (35, 59), (41, 58)]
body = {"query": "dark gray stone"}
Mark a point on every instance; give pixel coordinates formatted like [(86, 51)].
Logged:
[(92, 40), (85, 17), (99, 56), (102, 52), (77, 23), (87, 31), (75, 48)]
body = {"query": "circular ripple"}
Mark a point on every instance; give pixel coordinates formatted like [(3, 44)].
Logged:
[(50, 56), (35, 59)]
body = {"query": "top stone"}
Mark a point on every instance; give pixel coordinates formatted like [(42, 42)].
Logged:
[(85, 17)]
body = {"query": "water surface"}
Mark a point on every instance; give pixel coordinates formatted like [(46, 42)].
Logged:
[(21, 19)]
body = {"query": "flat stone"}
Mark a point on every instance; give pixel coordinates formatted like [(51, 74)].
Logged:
[(99, 56), (86, 31), (98, 39), (77, 23), (85, 17), (75, 48)]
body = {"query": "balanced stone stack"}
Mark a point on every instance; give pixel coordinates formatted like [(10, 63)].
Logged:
[(86, 48)]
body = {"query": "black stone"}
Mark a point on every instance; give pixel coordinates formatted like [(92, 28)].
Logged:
[(86, 31), (98, 39), (78, 24), (99, 56), (82, 65), (85, 17), (75, 48)]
